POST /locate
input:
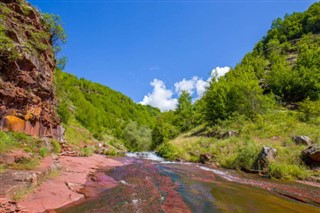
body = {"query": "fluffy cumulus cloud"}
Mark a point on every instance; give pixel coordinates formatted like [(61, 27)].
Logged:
[(161, 97), (195, 86), (187, 85), (164, 98), (201, 87), (219, 71)]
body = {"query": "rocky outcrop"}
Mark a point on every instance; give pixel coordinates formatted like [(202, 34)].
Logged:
[(302, 140), (27, 63), (266, 155)]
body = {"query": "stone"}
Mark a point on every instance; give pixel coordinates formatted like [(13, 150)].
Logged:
[(311, 155), (302, 140), (204, 158), (266, 155)]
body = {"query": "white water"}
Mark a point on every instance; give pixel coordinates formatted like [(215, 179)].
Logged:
[(154, 157), (145, 155)]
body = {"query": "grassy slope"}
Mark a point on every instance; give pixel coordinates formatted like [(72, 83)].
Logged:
[(274, 129), (37, 149)]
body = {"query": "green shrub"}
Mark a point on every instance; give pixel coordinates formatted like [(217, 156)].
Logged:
[(309, 110), (6, 142), (167, 150), (26, 164), (288, 172), (56, 146), (43, 152), (87, 151), (111, 152), (247, 155)]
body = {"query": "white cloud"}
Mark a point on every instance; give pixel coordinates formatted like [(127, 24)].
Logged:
[(201, 87), (219, 71), (194, 85), (161, 97), (187, 85)]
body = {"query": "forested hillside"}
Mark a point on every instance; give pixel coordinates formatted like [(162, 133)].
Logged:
[(103, 111), (267, 100)]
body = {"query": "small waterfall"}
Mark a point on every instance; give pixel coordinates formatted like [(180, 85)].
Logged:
[(145, 155)]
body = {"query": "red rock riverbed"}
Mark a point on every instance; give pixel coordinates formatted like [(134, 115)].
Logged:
[(147, 186), (125, 184)]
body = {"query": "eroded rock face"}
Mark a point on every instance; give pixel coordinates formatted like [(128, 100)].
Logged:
[(27, 63)]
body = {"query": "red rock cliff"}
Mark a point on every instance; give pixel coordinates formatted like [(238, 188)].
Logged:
[(27, 63)]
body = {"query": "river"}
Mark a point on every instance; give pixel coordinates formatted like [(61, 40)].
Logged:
[(148, 183)]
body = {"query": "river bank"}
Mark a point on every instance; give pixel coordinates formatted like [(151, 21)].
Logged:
[(163, 186), (132, 184), (65, 186)]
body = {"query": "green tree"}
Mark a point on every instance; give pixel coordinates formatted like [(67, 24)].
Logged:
[(236, 93), (163, 130), (58, 35), (184, 112)]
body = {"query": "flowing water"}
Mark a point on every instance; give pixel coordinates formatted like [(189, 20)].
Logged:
[(147, 183)]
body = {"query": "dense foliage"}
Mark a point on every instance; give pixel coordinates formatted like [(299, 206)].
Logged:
[(284, 67), (104, 111)]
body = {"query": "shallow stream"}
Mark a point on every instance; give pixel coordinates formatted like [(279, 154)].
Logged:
[(147, 183)]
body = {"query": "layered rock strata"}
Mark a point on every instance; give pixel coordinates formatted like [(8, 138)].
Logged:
[(27, 64)]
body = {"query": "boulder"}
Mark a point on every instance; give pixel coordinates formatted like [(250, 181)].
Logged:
[(204, 158), (266, 155), (302, 140), (311, 155)]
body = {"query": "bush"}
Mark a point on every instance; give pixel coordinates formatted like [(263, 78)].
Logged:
[(56, 146), (288, 172), (87, 151), (309, 110), (247, 155), (43, 152), (168, 151), (137, 138)]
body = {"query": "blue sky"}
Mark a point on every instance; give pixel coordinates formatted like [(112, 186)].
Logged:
[(126, 45)]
